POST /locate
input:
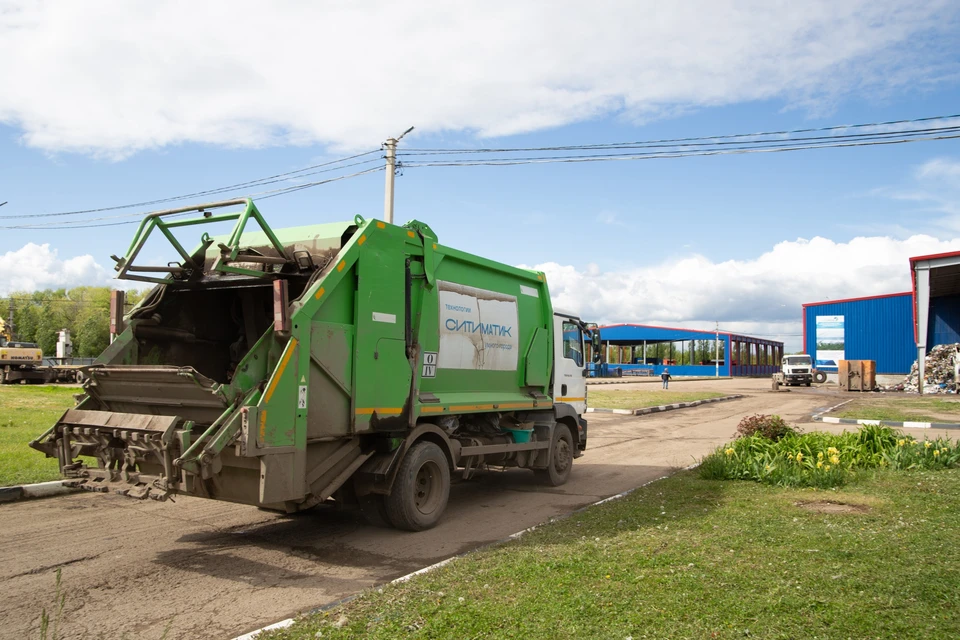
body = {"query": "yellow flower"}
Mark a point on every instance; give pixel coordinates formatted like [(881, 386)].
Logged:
[(799, 456), (835, 459), (820, 455), (901, 442), (767, 468), (936, 453), (826, 468), (833, 451), (928, 444), (819, 463), (729, 451), (944, 450)]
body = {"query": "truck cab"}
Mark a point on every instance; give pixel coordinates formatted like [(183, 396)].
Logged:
[(797, 369), (569, 383)]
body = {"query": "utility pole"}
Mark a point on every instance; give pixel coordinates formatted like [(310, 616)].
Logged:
[(717, 357), (10, 326), (390, 146)]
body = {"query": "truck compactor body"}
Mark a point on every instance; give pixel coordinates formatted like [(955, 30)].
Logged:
[(359, 363)]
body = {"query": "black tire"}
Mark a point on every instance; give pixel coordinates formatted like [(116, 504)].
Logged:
[(819, 377), (808, 384), (3, 376), (421, 490), (561, 459)]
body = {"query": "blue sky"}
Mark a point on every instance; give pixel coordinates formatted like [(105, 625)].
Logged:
[(119, 103)]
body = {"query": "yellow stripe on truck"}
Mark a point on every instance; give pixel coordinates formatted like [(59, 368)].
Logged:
[(283, 365)]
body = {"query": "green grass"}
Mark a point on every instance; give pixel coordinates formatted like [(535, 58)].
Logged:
[(638, 399), (25, 413), (694, 558), (900, 409)]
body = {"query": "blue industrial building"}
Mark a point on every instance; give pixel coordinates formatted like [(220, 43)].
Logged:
[(876, 328), (748, 356)]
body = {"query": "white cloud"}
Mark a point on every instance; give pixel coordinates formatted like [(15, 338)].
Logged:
[(943, 169), (36, 266), (761, 296), (112, 77)]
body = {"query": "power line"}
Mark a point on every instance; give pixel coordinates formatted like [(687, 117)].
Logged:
[(806, 140), (258, 182), (656, 155), (263, 195), (764, 142), (694, 139)]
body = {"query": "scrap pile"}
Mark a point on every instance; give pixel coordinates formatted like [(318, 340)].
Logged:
[(939, 371)]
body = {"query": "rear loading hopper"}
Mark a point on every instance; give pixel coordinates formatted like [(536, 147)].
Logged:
[(359, 361)]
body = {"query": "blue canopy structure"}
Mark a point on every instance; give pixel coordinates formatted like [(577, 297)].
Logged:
[(678, 350)]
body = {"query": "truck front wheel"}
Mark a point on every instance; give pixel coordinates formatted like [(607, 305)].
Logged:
[(421, 489), (561, 462)]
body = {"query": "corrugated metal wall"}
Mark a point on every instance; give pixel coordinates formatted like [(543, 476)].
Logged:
[(878, 329), (944, 324)]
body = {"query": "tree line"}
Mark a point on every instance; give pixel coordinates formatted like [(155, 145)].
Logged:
[(85, 311)]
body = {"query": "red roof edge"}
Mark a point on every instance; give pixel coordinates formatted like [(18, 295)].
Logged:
[(883, 295), (934, 256)]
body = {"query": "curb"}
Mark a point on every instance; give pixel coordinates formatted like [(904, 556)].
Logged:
[(663, 407), (889, 423), (283, 624), (37, 490), (819, 417)]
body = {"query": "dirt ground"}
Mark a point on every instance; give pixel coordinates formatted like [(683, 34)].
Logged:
[(209, 569)]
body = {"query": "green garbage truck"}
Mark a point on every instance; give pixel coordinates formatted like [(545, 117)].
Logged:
[(359, 363)]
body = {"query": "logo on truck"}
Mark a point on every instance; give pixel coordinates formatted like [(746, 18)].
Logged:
[(478, 329)]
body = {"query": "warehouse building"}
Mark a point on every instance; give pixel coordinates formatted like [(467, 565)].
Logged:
[(876, 328), (936, 303), (638, 349)]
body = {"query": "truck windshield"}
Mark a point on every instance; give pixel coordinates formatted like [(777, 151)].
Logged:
[(797, 360)]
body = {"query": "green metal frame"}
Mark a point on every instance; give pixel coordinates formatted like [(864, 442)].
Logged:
[(228, 252)]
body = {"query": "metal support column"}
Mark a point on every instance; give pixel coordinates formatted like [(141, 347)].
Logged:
[(923, 317)]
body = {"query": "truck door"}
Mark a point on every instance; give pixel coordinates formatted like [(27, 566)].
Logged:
[(569, 383)]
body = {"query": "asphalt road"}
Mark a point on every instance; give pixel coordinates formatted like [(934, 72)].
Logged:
[(200, 568)]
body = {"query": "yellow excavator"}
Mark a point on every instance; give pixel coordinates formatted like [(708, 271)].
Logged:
[(19, 361)]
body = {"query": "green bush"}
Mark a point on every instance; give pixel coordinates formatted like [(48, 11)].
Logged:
[(823, 460), (772, 427)]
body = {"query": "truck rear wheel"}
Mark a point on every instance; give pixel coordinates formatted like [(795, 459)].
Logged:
[(421, 489), (3, 376), (561, 462), (819, 377)]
